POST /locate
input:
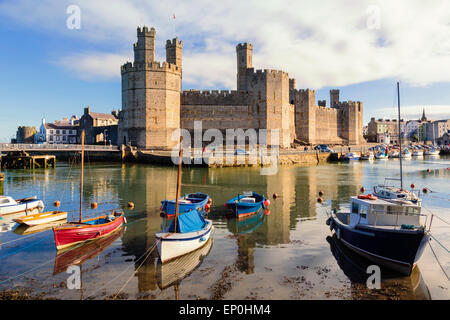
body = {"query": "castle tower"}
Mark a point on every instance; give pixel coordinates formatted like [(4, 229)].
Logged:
[(305, 115), (334, 98), (244, 62), (174, 51), (144, 48), (151, 95)]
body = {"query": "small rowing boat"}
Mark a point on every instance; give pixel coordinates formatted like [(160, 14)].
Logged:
[(41, 218), (199, 201), (247, 204), (72, 233), (191, 232), (9, 206)]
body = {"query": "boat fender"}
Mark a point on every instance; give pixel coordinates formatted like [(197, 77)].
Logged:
[(266, 202), (125, 220), (202, 239), (338, 233)]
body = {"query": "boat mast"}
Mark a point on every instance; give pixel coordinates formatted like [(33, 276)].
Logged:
[(82, 172), (178, 183), (399, 136)]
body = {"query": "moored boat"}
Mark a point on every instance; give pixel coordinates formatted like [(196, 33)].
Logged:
[(432, 152), (72, 233), (381, 156), (9, 206), (247, 204), (386, 232), (368, 156), (350, 156), (41, 218), (417, 153), (199, 201), (187, 233)]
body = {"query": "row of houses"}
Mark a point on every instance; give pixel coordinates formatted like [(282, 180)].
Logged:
[(100, 128), (421, 130)]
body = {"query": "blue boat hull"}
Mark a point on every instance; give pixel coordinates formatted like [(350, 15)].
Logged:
[(168, 206), (395, 249), (244, 209)]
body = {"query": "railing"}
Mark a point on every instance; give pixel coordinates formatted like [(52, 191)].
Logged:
[(5, 147)]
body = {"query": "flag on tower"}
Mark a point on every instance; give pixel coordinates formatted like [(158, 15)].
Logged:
[(174, 15)]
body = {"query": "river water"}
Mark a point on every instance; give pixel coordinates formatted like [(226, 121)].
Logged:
[(287, 254)]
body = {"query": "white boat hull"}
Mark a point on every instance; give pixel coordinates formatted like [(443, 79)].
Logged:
[(42, 218), (21, 207), (173, 245)]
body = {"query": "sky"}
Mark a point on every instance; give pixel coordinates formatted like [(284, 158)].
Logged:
[(54, 61)]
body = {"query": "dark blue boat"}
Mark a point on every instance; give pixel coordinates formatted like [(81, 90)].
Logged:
[(247, 204), (383, 231), (198, 201)]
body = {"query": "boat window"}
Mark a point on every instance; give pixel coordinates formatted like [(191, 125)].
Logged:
[(401, 196), (389, 210), (4, 201), (355, 208), (363, 212)]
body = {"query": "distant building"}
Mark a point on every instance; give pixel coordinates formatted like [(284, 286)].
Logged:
[(25, 134), (444, 140), (384, 130), (436, 129), (99, 128), (59, 132)]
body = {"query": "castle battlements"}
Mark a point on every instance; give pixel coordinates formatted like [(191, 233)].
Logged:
[(244, 45), (216, 97), (144, 31), (174, 42), (151, 66)]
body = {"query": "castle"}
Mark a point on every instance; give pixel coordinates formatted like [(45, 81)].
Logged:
[(153, 105)]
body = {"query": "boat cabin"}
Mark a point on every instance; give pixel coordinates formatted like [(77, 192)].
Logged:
[(7, 201), (380, 212)]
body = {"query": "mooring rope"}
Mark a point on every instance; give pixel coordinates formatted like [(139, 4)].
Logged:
[(137, 269), (120, 274), (22, 248), (435, 256)]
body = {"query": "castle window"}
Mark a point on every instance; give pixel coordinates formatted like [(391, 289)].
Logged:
[(359, 108)]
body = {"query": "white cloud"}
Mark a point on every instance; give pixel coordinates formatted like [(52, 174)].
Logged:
[(93, 66), (324, 43)]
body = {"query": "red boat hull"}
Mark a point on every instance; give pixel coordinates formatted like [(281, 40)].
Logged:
[(72, 233)]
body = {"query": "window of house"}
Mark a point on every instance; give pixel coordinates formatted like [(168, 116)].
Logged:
[(57, 131)]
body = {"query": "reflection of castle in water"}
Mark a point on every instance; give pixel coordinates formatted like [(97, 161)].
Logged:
[(355, 268)]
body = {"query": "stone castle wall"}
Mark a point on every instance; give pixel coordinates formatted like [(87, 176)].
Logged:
[(153, 106)]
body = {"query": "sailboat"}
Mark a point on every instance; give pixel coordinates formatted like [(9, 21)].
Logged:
[(386, 191), (188, 231), (72, 233)]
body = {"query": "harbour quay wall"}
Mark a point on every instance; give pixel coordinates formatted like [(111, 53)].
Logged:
[(97, 156)]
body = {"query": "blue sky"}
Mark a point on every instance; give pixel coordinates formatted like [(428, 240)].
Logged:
[(361, 48)]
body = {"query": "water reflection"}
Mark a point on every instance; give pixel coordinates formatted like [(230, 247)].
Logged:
[(78, 255), (355, 268), (173, 272)]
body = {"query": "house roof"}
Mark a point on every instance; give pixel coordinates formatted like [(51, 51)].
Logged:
[(60, 125), (97, 115)]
